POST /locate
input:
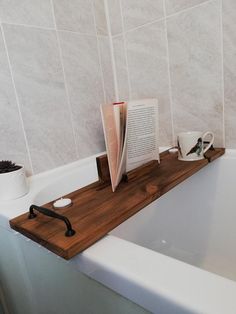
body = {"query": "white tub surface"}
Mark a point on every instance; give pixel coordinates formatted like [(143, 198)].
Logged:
[(175, 256)]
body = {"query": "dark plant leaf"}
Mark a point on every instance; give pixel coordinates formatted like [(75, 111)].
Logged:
[(8, 166)]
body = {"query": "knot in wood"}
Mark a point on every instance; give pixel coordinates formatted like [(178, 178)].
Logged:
[(151, 188)]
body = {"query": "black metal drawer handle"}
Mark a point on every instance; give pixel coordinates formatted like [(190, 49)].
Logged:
[(45, 211)]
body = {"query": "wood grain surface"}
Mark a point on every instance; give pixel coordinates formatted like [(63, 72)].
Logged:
[(96, 210)]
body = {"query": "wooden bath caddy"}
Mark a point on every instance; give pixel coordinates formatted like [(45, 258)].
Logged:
[(96, 210)]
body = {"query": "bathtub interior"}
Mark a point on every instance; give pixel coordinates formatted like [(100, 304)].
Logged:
[(195, 222)]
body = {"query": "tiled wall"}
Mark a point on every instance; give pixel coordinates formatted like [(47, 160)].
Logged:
[(60, 59), (55, 71), (173, 50)]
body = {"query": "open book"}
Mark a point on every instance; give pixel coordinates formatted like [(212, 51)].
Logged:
[(131, 135)]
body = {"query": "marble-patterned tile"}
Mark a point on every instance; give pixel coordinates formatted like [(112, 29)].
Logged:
[(74, 15), (121, 68), (84, 79), (40, 86), (107, 69), (139, 12), (148, 71), (100, 17), (229, 35), (174, 6), (196, 69), (115, 19), (27, 12), (12, 142)]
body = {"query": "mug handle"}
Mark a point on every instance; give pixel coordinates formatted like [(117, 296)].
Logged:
[(211, 142)]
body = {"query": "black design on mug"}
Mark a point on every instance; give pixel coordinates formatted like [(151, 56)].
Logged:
[(198, 148)]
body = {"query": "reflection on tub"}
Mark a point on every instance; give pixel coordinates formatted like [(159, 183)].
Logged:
[(194, 223)]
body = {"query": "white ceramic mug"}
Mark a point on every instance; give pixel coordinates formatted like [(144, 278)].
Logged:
[(191, 145)]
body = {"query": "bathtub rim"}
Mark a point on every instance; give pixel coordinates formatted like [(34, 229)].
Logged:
[(105, 257)]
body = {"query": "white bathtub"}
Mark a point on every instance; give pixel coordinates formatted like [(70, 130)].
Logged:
[(178, 255)]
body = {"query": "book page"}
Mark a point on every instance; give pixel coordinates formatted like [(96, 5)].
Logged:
[(142, 133), (111, 140), (120, 120)]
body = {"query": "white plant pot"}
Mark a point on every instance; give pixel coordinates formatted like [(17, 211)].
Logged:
[(13, 184)]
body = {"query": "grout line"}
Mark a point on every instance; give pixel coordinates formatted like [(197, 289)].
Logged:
[(65, 81), (99, 52), (144, 25), (17, 99), (161, 19), (102, 36), (117, 35), (169, 77), (77, 33), (223, 76), (53, 14), (49, 28), (125, 48), (189, 9), (29, 25), (113, 63)]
